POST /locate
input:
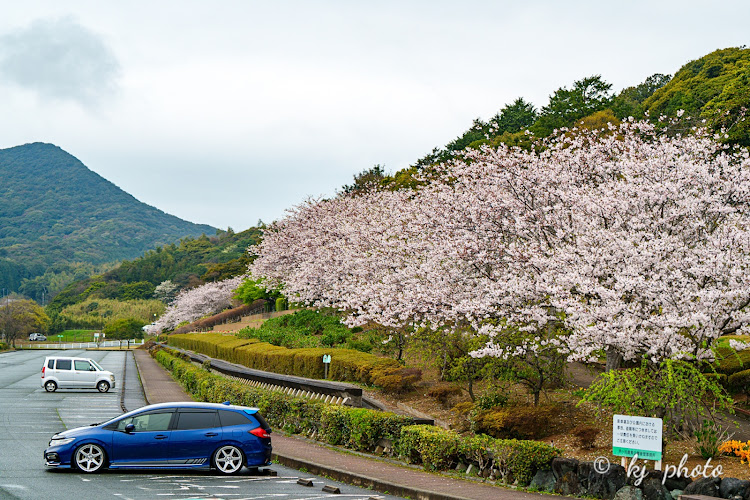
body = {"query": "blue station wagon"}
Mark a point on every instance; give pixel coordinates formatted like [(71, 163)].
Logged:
[(167, 436)]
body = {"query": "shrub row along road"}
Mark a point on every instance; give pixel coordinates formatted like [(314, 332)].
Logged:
[(29, 416)]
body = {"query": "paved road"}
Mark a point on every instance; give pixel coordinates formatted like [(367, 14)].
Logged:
[(29, 416)]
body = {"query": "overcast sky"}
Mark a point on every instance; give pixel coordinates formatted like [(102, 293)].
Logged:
[(226, 112)]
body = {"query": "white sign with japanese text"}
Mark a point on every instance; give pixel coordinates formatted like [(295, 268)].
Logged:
[(640, 436)]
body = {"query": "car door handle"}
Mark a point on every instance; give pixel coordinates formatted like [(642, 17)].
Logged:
[(211, 434), (160, 436)]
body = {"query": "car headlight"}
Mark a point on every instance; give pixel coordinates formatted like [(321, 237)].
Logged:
[(112, 378), (60, 441)]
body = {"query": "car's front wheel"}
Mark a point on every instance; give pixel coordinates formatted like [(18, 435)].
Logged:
[(103, 386), (90, 458), (50, 386), (228, 459)]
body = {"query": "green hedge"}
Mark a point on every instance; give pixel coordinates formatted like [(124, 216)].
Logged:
[(347, 365), (729, 361), (355, 428), (214, 345), (740, 381), (362, 429), (438, 449)]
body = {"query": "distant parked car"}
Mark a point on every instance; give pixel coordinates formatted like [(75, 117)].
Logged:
[(75, 373), (36, 336), (167, 436)]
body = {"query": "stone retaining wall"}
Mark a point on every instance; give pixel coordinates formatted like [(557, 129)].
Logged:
[(571, 477)]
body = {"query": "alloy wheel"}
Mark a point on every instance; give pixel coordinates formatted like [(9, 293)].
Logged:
[(228, 459), (89, 458)]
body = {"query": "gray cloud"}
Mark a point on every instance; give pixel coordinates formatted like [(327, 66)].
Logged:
[(60, 59)]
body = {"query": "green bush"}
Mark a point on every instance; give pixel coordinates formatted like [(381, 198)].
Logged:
[(729, 361), (304, 328), (492, 399), (740, 381), (346, 365), (214, 345), (520, 460), (434, 448), (720, 378), (362, 429), (281, 304), (438, 449), (356, 428), (444, 392), (515, 422)]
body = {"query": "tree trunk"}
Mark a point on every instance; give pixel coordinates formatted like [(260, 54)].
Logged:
[(614, 359)]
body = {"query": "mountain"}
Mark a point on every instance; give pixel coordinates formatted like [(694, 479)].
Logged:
[(162, 272), (58, 218)]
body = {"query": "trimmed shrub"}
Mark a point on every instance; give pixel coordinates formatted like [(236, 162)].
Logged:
[(309, 328), (586, 436), (346, 365), (434, 448), (729, 361), (515, 422), (520, 460), (721, 378), (397, 380), (281, 304), (362, 429), (492, 399), (740, 381), (443, 393), (227, 316)]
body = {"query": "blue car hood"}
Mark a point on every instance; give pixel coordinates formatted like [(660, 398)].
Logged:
[(75, 432)]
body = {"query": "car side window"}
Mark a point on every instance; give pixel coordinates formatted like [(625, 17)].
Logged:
[(51, 364), (82, 366), (229, 418), (64, 364), (187, 420), (147, 422)]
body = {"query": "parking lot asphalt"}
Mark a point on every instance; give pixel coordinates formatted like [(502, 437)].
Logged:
[(30, 416), (339, 464)]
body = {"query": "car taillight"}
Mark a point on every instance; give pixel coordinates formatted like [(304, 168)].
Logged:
[(43, 368), (260, 432)]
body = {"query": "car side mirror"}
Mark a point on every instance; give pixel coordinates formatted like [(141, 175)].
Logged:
[(129, 428)]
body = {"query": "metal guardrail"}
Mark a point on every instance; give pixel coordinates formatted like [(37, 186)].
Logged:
[(85, 345), (346, 392)]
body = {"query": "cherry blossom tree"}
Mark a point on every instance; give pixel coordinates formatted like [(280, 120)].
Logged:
[(638, 243), (190, 305)]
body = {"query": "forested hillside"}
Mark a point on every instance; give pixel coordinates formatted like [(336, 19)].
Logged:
[(161, 273), (713, 91), (59, 221)]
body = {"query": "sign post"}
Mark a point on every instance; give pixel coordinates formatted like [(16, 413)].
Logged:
[(326, 364), (637, 436)]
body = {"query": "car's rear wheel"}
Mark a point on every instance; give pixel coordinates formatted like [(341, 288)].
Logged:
[(228, 459), (50, 386), (90, 458), (103, 386)]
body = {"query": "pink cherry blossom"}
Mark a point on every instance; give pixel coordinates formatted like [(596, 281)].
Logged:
[(639, 242)]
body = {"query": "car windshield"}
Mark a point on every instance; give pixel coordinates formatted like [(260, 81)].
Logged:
[(96, 365)]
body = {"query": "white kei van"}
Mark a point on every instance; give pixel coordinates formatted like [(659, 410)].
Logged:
[(75, 373)]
